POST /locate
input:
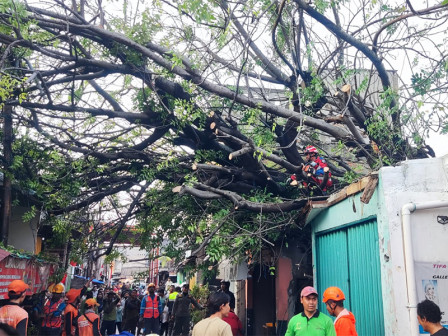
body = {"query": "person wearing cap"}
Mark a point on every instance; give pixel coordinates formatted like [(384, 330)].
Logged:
[(109, 313), (311, 322), (150, 310), (11, 314), (71, 311), (88, 295), (52, 312), (345, 320), (181, 312), (225, 285), (89, 322)]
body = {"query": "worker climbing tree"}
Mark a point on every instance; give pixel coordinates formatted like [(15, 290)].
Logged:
[(315, 175)]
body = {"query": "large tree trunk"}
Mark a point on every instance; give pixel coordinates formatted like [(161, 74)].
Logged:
[(7, 148)]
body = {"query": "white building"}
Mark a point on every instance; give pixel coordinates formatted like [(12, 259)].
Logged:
[(384, 242)]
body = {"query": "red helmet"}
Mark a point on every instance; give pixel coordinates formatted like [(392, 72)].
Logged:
[(310, 149), (333, 293)]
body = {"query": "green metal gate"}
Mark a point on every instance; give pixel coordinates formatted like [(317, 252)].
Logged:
[(348, 258)]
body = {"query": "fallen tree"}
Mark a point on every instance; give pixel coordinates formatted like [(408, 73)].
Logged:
[(189, 117)]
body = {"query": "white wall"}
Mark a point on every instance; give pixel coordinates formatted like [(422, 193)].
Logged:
[(129, 268), (416, 181), (22, 235)]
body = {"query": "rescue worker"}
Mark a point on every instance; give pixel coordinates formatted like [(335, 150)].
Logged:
[(11, 314), (345, 320), (89, 295), (317, 167), (7, 330), (71, 312), (150, 310), (311, 321), (89, 322), (52, 312), (181, 312)]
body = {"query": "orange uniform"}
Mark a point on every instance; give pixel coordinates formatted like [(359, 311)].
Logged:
[(151, 307), (14, 316), (52, 319), (89, 324), (70, 314), (345, 324)]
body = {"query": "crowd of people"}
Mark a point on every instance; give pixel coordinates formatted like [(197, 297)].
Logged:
[(101, 311), (107, 311)]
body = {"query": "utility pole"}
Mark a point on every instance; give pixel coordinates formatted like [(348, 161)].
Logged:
[(7, 154)]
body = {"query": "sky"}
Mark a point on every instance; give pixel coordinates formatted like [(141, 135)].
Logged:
[(439, 143)]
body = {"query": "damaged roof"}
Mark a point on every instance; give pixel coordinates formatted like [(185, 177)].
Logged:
[(367, 184)]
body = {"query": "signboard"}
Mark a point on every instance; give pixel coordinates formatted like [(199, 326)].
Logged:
[(432, 284), (33, 273)]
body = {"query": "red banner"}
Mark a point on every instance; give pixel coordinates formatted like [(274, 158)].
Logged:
[(34, 273)]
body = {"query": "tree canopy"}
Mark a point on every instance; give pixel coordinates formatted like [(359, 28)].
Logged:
[(188, 117)]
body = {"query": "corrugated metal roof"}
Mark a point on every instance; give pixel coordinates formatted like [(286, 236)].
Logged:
[(3, 254)]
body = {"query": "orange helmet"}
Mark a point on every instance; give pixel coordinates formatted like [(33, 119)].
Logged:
[(333, 293), (310, 149)]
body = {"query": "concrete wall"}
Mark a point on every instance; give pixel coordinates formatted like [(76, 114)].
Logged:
[(127, 269), (22, 235), (416, 181)]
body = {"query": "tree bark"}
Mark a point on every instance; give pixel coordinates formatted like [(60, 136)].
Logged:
[(7, 197)]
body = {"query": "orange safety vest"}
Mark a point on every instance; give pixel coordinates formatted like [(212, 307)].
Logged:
[(12, 315), (152, 307), (74, 311), (51, 321), (85, 327)]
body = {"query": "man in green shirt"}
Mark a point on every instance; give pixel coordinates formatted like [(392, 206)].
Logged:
[(311, 322), (109, 313)]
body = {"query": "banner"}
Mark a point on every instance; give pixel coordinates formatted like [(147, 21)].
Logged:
[(432, 284), (34, 273)]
